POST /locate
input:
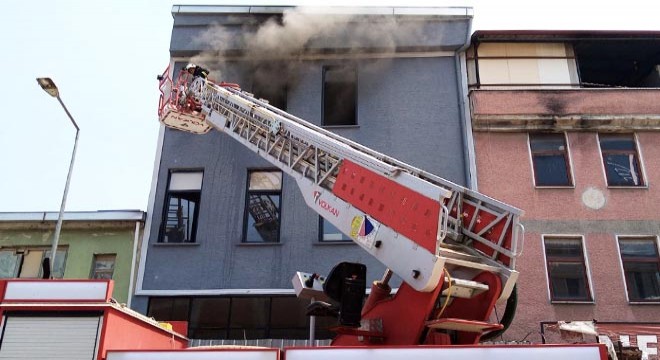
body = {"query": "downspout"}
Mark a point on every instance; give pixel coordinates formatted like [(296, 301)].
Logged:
[(136, 238), (464, 109)]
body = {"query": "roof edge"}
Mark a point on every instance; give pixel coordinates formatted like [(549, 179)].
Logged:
[(99, 215)]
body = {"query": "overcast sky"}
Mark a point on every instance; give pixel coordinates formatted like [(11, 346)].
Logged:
[(104, 57)]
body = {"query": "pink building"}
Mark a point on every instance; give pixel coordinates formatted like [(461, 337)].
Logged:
[(566, 127)]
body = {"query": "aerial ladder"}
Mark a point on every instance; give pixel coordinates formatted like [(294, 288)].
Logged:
[(454, 249)]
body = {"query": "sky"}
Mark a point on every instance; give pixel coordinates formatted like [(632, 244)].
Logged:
[(104, 57)]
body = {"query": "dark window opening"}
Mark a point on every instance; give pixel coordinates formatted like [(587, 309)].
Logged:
[(567, 270), (616, 63), (262, 207), (339, 96), (550, 160), (241, 317), (181, 208), (641, 267), (621, 160), (269, 82)]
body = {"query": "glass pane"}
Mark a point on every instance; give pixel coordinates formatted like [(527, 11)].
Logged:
[(617, 142), (263, 220), (622, 170), (9, 264), (565, 248), (550, 170), (547, 142), (288, 312), (331, 233), (265, 180), (568, 281), (180, 220), (168, 308), (638, 248), (642, 280), (181, 181), (249, 313), (210, 313)]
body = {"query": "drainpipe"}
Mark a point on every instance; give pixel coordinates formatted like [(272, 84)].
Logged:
[(136, 238), (464, 109)]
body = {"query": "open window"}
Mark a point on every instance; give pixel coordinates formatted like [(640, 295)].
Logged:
[(567, 270), (339, 95), (181, 207)]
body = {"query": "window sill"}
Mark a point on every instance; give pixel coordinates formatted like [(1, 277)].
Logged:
[(183, 244), (340, 126), (331, 243), (570, 187), (654, 302), (248, 244), (572, 302), (643, 187)]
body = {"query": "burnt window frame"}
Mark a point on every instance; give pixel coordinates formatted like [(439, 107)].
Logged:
[(324, 93), (624, 260), (565, 154), (635, 152), (169, 194), (583, 260), (246, 211)]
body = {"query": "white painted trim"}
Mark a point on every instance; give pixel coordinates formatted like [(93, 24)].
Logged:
[(136, 239), (617, 237), (570, 158), (586, 265), (217, 292), (99, 215), (531, 161), (150, 207), (642, 168)]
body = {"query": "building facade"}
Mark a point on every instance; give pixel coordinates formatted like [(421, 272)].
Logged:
[(226, 231), (92, 245), (567, 127)]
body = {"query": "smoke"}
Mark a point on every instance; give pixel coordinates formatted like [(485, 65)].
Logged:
[(276, 46)]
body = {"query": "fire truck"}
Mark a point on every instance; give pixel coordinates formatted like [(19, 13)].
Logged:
[(454, 250)]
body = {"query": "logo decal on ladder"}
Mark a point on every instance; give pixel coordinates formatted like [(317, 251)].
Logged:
[(364, 229), (324, 204)]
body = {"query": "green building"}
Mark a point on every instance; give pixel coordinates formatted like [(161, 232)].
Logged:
[(92, 245)]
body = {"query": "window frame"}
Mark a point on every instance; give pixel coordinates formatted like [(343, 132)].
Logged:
[(618, 239), (321, 239), (567, 161), (585, 262), (94, 259), (324, 71), (166, 204), (638, 157), (246, 206)]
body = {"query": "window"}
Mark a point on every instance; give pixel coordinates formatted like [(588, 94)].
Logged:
[(339, 95), (103, 266), (329, 233), (181, 207), (262, 207), (567, 272), (269, 81), (641, 268), (550, 160), (27, 263), (621, 160), (241, 317)]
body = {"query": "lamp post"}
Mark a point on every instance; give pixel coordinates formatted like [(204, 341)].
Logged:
[(49, 86)]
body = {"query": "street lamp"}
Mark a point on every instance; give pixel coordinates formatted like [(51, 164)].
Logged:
[(49, 86)]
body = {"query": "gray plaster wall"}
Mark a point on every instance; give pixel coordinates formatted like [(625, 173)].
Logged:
[(407, 108)]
